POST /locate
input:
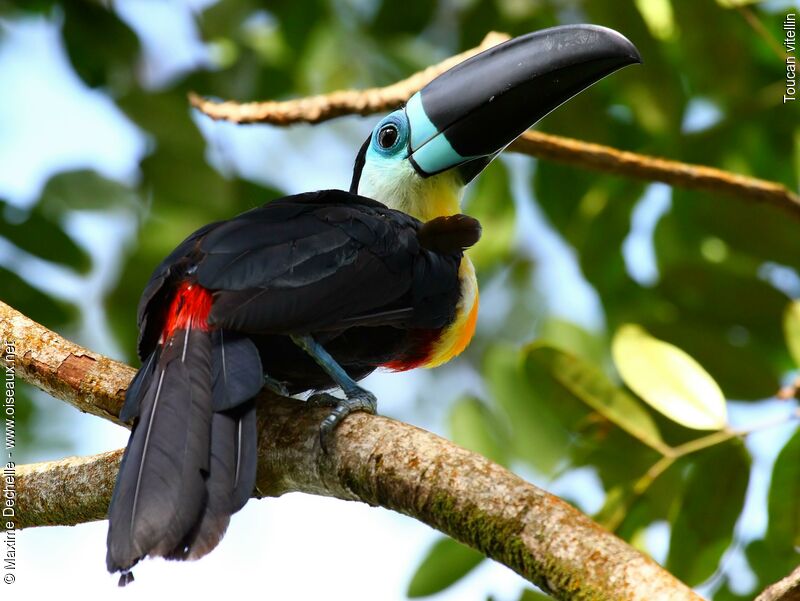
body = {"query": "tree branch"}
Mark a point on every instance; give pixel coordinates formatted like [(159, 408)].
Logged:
[(787, 589), (90, 382), (316, 109), (373, 459)]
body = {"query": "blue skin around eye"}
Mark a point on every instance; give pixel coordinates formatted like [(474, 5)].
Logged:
[(431, 150), (397, 118), (389, 157)]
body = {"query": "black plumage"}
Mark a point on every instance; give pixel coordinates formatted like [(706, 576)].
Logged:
[(161, 486), (379, 275), (362, 279)]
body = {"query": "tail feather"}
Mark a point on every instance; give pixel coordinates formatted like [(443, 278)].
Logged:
[(140, 383), (160, 491), (231, 477), (191, 459), (247, 444), (237, 377)]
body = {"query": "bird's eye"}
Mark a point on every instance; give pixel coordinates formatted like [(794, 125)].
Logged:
[(387, 136)]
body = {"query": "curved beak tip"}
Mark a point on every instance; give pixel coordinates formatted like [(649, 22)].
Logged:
[(467, 115), (627, 48)]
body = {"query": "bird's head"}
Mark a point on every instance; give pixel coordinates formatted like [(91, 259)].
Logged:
[(419, 158)]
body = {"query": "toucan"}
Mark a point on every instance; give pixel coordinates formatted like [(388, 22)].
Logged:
[(315, 291)]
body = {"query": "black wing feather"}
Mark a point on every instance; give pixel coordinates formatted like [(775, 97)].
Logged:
[(236, 369), (317, 261)]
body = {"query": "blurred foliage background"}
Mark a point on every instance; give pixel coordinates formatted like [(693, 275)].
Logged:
[(568, 255)]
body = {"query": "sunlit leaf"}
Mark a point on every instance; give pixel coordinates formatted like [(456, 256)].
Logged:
[(791, 329), (742, 370), (658, 16), (668, 379), (591, 386), (446, 563), (711, 505), (474, 427)]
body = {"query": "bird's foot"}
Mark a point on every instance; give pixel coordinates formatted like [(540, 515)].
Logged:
[(276, 386), (357, 400)]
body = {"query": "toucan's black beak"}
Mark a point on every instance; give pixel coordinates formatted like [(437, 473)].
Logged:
[(467, 115)]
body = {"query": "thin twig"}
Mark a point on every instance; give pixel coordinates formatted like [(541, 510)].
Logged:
[(672, 454), (375, 460), (648, 168), (316, 109), (764, 33)]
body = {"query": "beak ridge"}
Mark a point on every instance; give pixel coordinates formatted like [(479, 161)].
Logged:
[(474, 110)]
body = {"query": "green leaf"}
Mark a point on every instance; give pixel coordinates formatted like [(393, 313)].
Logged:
[(783, 531), (668, 379), (412, 19), (706, 518), (658, 16), (37, 305), (791, 329), (574, 339), (634, 504), (736, 3), (84, 190), (101, 47), (45, 238), (591, 386), (537, 434), (474, 427), (446, 563), (491, 203), (770, 563)]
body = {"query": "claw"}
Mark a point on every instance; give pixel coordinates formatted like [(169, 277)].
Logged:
[(357, 400)]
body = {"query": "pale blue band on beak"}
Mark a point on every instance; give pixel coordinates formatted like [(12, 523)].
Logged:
[(437, 155), (422, 128), (429, 148)]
